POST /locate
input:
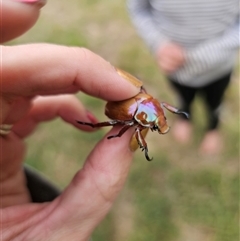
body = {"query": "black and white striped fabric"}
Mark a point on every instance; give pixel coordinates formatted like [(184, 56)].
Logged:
[(208, 30)]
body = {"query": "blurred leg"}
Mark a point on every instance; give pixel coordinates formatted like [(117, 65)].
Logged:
[(41, 189), (186, 96), (214, 93), (182, 129)]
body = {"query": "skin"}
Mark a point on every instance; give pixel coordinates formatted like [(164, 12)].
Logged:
[(170, 57), (31, 88), (25, 16)]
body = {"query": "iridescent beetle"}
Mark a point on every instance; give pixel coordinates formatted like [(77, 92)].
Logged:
[(141, 111)]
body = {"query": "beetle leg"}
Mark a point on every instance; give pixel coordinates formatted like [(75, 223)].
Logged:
[(142, 143), (143, 90), (122, 131), (102, 124), (174, 109)]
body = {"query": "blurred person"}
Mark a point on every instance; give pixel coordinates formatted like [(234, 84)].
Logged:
[(195, 44), (37, 82)]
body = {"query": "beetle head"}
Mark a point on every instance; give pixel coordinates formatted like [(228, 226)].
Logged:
[(161, 125)]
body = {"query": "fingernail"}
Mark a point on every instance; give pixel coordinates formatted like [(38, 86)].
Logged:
[(133, 145), (133, 80), (38, 2), (91, 117)]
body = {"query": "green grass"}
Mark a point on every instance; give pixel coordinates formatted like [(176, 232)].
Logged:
[(180, 195)]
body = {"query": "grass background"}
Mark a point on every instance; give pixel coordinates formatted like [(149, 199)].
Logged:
[(180, 195)]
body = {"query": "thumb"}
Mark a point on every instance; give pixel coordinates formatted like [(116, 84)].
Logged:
[(93, 190)]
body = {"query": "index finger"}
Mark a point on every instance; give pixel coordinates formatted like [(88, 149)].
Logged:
[(41, 69)]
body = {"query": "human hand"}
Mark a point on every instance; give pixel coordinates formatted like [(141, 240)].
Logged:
[(33, 79), (50, 70), (170, 57), (19, 16)]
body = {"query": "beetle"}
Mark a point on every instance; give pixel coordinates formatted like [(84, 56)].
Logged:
[(141, 111)]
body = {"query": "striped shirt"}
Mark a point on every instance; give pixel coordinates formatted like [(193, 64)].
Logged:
[(208, 30)]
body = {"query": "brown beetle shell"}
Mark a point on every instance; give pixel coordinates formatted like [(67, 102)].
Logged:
[(125, 109)]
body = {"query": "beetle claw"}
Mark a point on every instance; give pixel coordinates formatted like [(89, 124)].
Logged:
[(183, 113), (146, 155), (143, 90), (86, 123)]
